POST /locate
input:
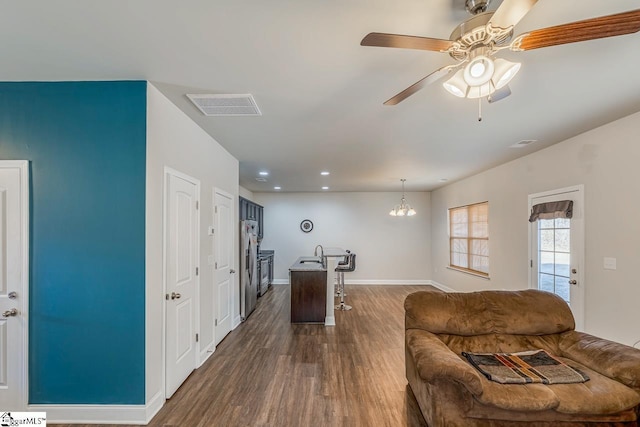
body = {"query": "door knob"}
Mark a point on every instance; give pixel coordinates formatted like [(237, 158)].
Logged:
[(175, 295), (10, 313), (573, 282), (232, 271)]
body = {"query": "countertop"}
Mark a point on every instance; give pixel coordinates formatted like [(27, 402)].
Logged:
[(300, 265)]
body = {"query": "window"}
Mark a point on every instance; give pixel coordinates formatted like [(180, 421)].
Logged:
[(469, 238)]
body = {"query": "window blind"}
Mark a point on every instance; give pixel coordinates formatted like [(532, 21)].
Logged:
[(469, 238)]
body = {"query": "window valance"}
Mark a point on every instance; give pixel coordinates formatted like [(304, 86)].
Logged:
[(551, 210)]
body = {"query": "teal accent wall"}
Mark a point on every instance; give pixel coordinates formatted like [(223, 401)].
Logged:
[(86, 143)]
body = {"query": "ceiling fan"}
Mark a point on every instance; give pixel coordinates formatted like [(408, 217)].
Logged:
[(478, 73)]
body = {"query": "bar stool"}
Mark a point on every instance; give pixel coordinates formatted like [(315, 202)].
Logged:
[(341, 269), (336, 283)]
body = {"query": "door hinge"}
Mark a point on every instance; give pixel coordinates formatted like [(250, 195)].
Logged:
[(216, 265), (197, 204), (197, 270), (197, 337), (216, 209), (531, 263), (216, 322), (166, 296)]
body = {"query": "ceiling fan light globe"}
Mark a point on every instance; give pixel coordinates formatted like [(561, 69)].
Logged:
[(456, 85), (479, 71), (504, 72)]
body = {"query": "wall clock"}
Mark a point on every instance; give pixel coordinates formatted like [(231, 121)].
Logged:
[(306, 225)]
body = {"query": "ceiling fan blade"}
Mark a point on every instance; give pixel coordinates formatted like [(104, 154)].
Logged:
[(405, 42), (431, 78), (510, 13), (589, 29)]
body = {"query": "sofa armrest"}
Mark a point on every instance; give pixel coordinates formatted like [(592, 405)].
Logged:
[(614, 360), (433, 359)]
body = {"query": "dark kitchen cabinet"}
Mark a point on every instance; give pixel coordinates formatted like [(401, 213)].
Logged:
[(254, 212)]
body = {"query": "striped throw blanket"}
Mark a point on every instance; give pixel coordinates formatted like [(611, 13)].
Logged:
[(526, 367)]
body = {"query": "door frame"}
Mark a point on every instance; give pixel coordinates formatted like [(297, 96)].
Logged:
[(165, 241), (577, 192), (232, 262), (23, 168)]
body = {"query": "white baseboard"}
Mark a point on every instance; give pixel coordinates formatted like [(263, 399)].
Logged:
[(206, 354), (369, 282), (441, 286), (236, 322), (101, 414), (386, 282)]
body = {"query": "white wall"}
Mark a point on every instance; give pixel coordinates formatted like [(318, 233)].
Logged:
[(605, 160), (388, 249), (243, 192), (174, 140)]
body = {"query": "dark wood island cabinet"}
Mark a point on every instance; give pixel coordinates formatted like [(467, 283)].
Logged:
[(308, 279)]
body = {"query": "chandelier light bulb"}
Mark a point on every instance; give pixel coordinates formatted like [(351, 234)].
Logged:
[(404, 208)]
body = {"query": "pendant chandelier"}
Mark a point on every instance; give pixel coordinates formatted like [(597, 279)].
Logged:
[(404, 208)]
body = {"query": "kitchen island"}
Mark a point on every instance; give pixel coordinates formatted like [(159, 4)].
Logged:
[(308, 278), (312, 287)]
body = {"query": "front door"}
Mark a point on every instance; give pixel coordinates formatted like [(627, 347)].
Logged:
[(223, 241), (557, 251), (181, 278), (14, 228)]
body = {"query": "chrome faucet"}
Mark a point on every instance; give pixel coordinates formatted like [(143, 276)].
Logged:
[(315, 253)]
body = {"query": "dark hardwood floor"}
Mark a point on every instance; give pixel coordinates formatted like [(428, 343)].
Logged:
[(268, 372)]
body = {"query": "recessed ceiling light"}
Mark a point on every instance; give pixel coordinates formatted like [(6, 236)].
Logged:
[(263, 173), (325, 188), (277, 188), (325, 173), (443, 180)]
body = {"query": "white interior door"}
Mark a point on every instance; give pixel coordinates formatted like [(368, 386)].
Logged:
[(14, 228), (223, 275), (557, 251), (181, 279)]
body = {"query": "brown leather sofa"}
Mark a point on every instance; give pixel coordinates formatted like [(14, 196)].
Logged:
[(451, 392)]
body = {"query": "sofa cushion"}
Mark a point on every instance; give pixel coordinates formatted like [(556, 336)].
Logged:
[(527, 312), (599, 395)]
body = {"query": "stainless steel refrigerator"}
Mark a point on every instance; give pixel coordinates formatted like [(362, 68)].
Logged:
[(249, 267)]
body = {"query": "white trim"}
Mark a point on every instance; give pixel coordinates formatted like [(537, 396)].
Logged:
[(170, 171), (441, 286), (384, 282), (470, 273), (102, 414), (206, 354), (236, 322), (23, 168)]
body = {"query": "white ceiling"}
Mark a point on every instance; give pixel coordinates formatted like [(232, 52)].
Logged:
[(320, 92)]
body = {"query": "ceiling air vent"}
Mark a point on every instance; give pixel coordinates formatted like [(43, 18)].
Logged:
[(523, 143), (226, 105)]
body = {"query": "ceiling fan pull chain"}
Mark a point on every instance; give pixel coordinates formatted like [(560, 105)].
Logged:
[(479, 109)]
